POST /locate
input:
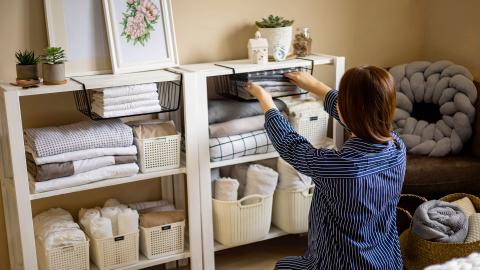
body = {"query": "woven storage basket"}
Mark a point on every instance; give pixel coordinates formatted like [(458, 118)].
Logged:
[(410, 202), (291, 208), (156, 154), (311, 124), (419, 253), (115, 252), (74, 257), (163, 240), (237, 223)]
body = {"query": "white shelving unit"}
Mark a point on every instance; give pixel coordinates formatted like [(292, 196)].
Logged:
[(17, 198), (203, 72)]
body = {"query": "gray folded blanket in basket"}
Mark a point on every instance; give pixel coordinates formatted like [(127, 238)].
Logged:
[(440, 221)]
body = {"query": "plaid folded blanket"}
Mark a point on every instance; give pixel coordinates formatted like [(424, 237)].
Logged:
[(250, 143)]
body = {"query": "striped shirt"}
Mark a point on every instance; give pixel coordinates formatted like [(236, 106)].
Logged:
[(352, 221)]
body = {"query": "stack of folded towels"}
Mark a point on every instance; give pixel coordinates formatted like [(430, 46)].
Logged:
[(290, 179), (112, 220), (126, 100), (55, 228), (272, 81), (455, 222), (78, 154), (237, 129), (157, 213), (245, 180)]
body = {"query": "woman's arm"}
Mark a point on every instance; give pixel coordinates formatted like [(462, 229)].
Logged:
[(307, 82)]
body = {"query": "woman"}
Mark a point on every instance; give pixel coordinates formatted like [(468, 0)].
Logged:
[(352, 222)]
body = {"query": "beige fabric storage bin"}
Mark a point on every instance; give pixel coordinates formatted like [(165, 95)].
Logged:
[(243, 221), (115, 252), (291, 209), (157, 154), (163, 240), (74, 257)]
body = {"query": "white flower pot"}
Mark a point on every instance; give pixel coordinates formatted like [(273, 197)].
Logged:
[(278, 37)]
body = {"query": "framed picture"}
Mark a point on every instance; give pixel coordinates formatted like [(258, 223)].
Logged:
[(79, 28), (141, 35)]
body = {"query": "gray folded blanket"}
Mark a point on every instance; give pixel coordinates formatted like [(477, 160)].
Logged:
[(440, 221), (223, 110)]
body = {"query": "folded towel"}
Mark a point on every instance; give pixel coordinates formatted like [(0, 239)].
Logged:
[(150, 220), (84, 154), (266, 75), (466, 205), (83, 135), (120, 113), (440, 221), (112, 214), (226, 189), (147, 131), (291, 179), (100, 228), (86, 215), (100, 100), (473, 228), (261, 180), (223, 110), (237, 126), (129, 90), (52, 215), (125, 106), (127, 221), (164, 208), (114, 171), (148, 204), (239, 172), (112, 202), (68, 237)]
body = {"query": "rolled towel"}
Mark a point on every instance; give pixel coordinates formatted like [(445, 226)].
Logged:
[(62, 238), (239, 172), (261, 180), (56, 226), (100, 228), (164, 208), (466, 205), (127, 221), (226, 189), (440, 221), (112, 214), (86, 215), (148, 204), (150, 220), (291, 179), (473, 228), (111, 202)]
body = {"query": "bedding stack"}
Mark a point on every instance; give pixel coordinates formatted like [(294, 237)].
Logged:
[(126, 100), (157, 213), (237, 129), (78, 154)]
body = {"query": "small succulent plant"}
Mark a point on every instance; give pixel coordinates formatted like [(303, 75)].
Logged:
[(27, 57), (273, 22), (54, 55)]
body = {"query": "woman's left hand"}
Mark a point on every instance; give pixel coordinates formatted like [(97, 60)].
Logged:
[(263, 96)]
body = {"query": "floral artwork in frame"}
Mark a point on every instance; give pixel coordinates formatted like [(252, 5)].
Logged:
[(139, 20)]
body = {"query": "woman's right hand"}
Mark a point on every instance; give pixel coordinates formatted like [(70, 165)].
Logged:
[(307, 82)]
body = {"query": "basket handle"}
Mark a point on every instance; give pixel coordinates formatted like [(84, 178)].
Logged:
[(309, 191), (254, 196)]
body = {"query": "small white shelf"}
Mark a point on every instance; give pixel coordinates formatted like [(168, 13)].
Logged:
[(109, 182), (144, 262), (274, 233), (244, 159)]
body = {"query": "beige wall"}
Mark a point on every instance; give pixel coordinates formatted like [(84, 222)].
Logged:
[(367, 32)]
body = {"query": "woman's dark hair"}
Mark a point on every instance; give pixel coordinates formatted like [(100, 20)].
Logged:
[(367, 101)]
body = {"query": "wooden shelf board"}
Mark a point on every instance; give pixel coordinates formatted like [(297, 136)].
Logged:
[(274, 233), (244, 159), (144, 262)]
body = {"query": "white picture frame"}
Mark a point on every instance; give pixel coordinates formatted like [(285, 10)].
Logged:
[(79, 28), (135, 47)]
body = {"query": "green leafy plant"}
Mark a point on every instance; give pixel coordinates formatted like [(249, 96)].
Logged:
[(26, 57), (273, 22), (54, 55)]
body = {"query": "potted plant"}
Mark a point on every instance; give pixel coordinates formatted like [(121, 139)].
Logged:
[(278, 31), (27, 65), (53, 67)]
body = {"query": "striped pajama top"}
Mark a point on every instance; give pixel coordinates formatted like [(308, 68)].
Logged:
[(352, 221)]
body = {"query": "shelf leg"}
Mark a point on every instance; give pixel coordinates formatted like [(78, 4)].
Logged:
[(338, 130)]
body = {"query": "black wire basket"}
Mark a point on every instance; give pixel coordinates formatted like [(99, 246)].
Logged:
[(169, 96)]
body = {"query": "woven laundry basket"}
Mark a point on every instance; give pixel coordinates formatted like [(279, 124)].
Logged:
[(74, 257), (115, 252), (419, 253), (162, 241), (291, 208), (157, 154), (243, 221)]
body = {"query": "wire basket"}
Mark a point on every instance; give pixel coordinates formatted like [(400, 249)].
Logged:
[(162, 241), (169, 96), (74, 257)]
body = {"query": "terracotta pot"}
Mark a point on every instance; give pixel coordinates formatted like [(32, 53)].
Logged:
[(278, 38), (27, 72), (53, 73)]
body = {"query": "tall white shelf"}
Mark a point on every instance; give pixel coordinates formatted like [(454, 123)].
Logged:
[(17, 198), (205, 71)]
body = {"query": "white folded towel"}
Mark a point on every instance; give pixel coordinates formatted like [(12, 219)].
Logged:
[(111, 202), (100, 228), (142, 110), (126, 106), (226, 189), (127, 221), (62, 238), (100, 100), (86, 215), (261, 180), (112, 214), (291, 179), (149, 204), (130, 90)]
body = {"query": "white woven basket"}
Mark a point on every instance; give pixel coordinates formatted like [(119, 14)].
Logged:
[(115, 252), (74, 257), (163, 240), (158, 154), (311, 124), (241, 222), (291, 209)]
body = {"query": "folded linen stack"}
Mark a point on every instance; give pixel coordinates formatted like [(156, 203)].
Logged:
[(272, 81), (55, 228), (126, 100), (78, 154), (157, 213), (236, 129)]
